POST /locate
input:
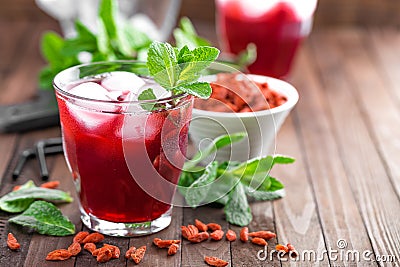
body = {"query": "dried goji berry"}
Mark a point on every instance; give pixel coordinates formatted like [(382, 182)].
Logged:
[(199, 237), (93, 238), (216, 262), (50, 185), (292, 250), (74, 248), (230, 235), (104, 255), (138, 254), (58, 255), (200, 225), (280, 247), (217, 235), (173, 249), (12, 242), (164, 243), (129, 252), (214, 226), (114, 250), (244, 234), (15, 188), (193, 230), (259, 241), (90, 247), (263, 234), (96, 252), (79, 237)]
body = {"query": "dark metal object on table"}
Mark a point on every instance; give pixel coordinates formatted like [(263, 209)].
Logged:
[(42, 148)]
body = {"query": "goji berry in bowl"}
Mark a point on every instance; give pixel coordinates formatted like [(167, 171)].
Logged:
[(255, 104)]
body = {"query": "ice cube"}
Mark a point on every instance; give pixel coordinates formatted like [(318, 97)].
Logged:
[(90, 90), (122, 81)]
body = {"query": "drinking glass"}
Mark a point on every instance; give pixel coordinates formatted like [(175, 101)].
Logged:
[(125, 160), (276, 27)]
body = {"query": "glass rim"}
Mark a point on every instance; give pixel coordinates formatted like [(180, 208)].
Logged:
[(63, 92)]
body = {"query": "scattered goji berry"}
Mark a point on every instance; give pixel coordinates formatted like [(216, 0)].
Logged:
[(15, 188), (90, 247), (104, 255), (244, 234), (280, 247), (50, 185), (58, 255), (173, 249), (129, 252), (259, 241), (230, 235), (114, 250), (214, 226), (200, 225), (93, 238), (12, 242), (292, 250), (263, 234), (185, 232), (96, 252), (74, 248), (138, 254), (199, 237), (79, 237), (192, 230), (164, 243), (216, 262), (217, 235)]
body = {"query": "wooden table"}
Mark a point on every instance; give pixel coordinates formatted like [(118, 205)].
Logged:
[(343, 190)]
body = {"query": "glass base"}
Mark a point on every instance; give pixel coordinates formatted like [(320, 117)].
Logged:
[(126, 229)]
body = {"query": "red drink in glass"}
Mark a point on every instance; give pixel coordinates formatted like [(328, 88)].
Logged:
[(275, 27), (125, 160)]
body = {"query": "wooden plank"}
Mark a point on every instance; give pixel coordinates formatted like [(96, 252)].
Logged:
[(7, 145), (337, 206), (193, 254), (339, 65), (297, 217)]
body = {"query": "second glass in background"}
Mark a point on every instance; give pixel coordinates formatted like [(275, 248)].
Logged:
[(276, 27)]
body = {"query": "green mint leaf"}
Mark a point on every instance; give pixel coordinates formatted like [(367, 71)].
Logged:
[(275, 184), (51, 46), (84, 41), (265, 195), (18, 201), (281, 159), (136, 38), (254, 166), (217, 143), (194, 62), (187, 35), (199, 89), (237, 210), (107, 13), (26, 185), (103, 42), (46, 219), (46, 76), (184, 55), (247, 56), (147, 94), (199, 189), (162, 64)]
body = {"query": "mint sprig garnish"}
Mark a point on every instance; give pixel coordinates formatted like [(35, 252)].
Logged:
[(231, 183), (178, 70)]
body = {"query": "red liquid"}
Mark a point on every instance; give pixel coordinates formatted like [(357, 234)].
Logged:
[(276, 33), (96, 156)]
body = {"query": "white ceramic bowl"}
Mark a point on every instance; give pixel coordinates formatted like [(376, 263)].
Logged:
[(261, 126)]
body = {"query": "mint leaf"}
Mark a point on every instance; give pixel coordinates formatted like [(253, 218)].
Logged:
[(46, 219), (199, 89), (275, 185), (162, 64), (51, 46), (187, 35), (198, 190), (18, 201), (147, 94), (237, 210), (254, 166), (281, 159), (84, 41), (265, 195), (107, 13)]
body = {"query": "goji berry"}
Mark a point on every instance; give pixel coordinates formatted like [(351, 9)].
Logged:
[(216, 262), (93, 238), (173, 249), (230, 235), (280, 247), (104, 255), (58, 255), (114, 250), (214, 226), (199, 237), (200, 225), (263, 234), (244, 234), (217, 235), (12, 242), (90, 247), (15, 188), (79, 237), (50, 185), (74, 248), (129, 252), (138, 254), (292, 250), (259, 241), (164, 243)]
